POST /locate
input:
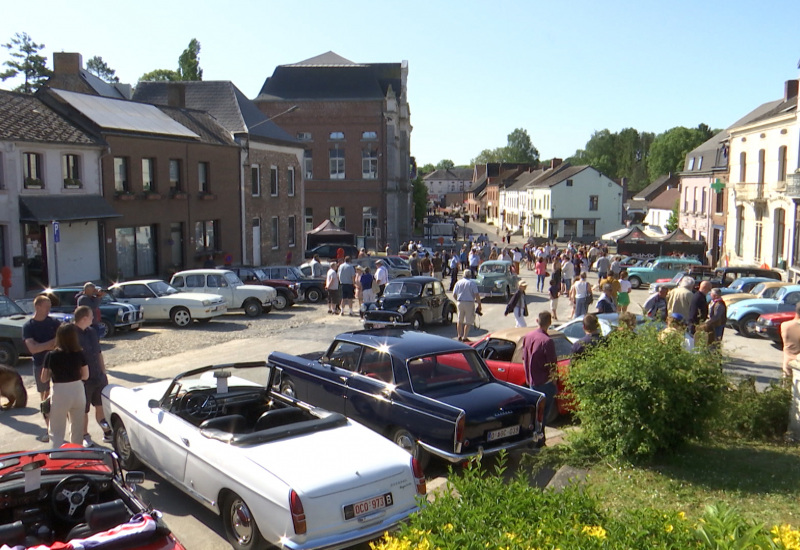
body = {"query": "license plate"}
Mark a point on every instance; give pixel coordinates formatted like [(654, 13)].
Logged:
[(366, 506), (494, 435), (134, 326)]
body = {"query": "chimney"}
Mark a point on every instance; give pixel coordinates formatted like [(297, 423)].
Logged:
[(555, 163), (176, 94), (790, 90), (72, 63)]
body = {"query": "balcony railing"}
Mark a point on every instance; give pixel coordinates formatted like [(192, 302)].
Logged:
[(793, 185), (750, 191)]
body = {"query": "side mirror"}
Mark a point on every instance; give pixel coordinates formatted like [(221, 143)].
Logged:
[(154, 403)]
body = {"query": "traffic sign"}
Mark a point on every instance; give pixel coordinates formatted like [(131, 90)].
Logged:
[(56, 232)]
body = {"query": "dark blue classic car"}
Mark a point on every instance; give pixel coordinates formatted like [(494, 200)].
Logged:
[(426, 393), (411, 301)]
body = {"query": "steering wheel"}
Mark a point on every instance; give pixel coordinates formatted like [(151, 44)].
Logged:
[(199, 405), (71, 496)]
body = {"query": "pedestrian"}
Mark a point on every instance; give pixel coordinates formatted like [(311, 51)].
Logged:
[(516, 257), (616, 267), (316, 266), (93, 297), (454, 266), (679, 299), (347, 277), (612, 280), (567, 274), (66, 367), (624, 294), (362, 253), (366, 281), (413, 263), (581, 296), (39, 334), (790, 333), (606, 302), (357, 285), (591, 337), (89, 342), (468, 303), (676, 331), (539, 360), (426, 265), (518, 305), (381, 276), (655, 307), (698, 309), (603, 265), (332, 286), (437, 264), (541, 272), (554, 291)]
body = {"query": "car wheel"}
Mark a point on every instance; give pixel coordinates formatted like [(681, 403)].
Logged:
[(635, 282), (281, 301), (252, 308), (122, 446), (314, 295), (8, 354), (747, 325), (287, 387), (110, 328), (416, 322), (180, 317), (240, 525), (448, 316), (403, 439)]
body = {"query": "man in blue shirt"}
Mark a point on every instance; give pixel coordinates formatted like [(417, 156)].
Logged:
[(39, 333)]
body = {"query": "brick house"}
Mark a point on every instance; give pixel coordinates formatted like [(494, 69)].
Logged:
[(271, 186), (355, 124)]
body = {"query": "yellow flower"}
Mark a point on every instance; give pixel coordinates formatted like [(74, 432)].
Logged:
[(510, 536), (448, 527), (682, 515), (668, 528), (594, 531)]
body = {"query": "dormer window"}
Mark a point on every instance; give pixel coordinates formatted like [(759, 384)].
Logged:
[(369, 135), (337, 136)]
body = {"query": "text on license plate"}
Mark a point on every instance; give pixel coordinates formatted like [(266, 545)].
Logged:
[(368, 505), (502, 433)]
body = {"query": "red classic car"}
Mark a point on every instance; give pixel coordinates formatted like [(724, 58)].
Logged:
[(769, 325), (73, 497), (502, 352)]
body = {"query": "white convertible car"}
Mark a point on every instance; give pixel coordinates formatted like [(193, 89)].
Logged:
[(161, 301), (277, 470)]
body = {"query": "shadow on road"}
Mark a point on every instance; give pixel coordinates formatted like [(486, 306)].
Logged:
[(743, 368), (27, 420)]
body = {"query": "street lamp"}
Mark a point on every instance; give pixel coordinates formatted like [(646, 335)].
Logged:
[(291, 109)]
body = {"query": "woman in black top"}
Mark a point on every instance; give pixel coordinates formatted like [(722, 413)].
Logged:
[(67, 368)]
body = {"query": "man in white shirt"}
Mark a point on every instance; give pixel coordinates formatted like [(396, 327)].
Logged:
[(466, 295), (381, 276), (332, 286)]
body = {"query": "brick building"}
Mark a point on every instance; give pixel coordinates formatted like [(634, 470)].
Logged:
[(354, 122)]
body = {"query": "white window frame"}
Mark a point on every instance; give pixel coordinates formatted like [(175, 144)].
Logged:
[(308, 164), (276, 232), (336, 164), (369, 158), (274, 181)]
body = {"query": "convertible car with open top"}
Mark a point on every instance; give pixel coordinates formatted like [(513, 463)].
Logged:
[(277, 470)]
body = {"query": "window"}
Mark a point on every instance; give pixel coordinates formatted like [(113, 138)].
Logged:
[(691, 163), (742, 167), (175, 175), (369, 164), (291, 231), (694, 200), (796, 236), (337, 216), (202, 177), (570, 228), (720, 202), (206, 236), (569, 183), (275, 232), (176, 243), (686, 199), (703, 201), (759, 233), (148, 175), (2, 180), (337, 164), (594, 201), (304, 136), (761, 162), (290, 182), (308, 165), (136, 251), (589, 228), (309, 219), (336, 136), (370, 220), (121, 184), (779, 239), (782, 163), (255, 181), (699, 163), (369, 135), (273, 181), (739, 230), (32, 171), (71, 171)]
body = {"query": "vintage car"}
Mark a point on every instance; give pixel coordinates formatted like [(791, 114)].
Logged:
[(12, 319), (115, 316), (253, 299), (410, 302), (663, 267), (769, 325), (573, 329), (162, 302), (329, 251), (305, 269), (310, 289), (277, 470), (287, 291), (428, 394), (742, 316), (73, 497), (763, 289), (396, 269), (502, 352), (496, 278), (699, 273)]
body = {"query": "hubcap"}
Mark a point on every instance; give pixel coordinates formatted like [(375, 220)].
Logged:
[(182, 318), (123, 445), (241, 522), (405, 442)]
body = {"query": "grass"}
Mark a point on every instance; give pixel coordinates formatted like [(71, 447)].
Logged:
[(762, 481)]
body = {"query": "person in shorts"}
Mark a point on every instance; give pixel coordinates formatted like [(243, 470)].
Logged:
[(467, 296), (39, 333), (332, 286), (89, 340)]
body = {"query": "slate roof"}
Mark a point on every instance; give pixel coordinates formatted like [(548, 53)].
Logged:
[(654, 189), (225, 102), (666, 200), (24, 117), (456, 174), (116, 90), (560, 173), (201, 123)]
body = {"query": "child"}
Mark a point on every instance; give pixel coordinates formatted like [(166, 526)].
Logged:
[(554, 290)]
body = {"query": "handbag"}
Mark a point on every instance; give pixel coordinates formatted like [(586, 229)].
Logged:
[(589, 296)]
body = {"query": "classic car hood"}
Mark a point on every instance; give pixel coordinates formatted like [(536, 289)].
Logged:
[(343, 468), (756, 302), (258, 289), (199, 296), (480, 401), (20, 320), (394, 303)]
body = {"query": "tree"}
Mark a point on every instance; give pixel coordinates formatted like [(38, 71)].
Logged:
[(160, 75), (490, 155), (420, 198), (668, 152), (426, 169), (25, 60), (618, 155), (520, 149), (189, 62), (672, 221), (445, 164), (100, 69)]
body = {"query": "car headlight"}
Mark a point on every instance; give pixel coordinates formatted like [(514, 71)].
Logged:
[(766, 322), (363, 307), (207, 302), (120, 314), (402, 309), (499, 284)]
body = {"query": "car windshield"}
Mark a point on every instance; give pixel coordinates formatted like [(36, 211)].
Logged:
[(781, 293), (487, 269), (217, 381), (162, 289), (8, 307), (397, 261), (294, 273), (398, 288), (260, 274), (758, 289), (438, 374), (678, 277), (233, 279)]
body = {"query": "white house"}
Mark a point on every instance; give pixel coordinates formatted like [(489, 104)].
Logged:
[(660, 208), (451, 181)]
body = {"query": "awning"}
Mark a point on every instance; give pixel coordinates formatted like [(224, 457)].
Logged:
[(44, 209)]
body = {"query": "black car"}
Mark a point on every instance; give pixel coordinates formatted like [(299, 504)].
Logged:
[(311, 289), (114, 315), (410, 302), (428, 394), (328, 251)]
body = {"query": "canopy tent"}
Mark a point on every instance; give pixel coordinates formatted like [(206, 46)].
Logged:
[(328, 232), (637, 243)]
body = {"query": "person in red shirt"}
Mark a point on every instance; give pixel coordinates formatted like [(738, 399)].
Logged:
[(539, 358)]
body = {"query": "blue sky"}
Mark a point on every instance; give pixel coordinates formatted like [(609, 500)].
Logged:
[(477, 70)]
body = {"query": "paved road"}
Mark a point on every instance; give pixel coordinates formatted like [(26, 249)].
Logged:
[(310, 329)]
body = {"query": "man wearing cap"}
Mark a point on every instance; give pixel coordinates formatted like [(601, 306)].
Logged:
[(381, 276), (518, 305), (466, 295)]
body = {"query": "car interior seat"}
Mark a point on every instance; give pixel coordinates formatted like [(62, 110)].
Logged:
[(232, 423), (279, 417), (101, 517)]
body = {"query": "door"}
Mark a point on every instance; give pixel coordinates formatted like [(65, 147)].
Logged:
[(370, 390), (140, 294), (165, 442), (332, 373)]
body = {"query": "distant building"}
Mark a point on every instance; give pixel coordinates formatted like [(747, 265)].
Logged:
[(636, 208), (449, 186)]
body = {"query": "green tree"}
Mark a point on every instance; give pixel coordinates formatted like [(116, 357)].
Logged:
[(490, 155), (26, 61), (100, 69), (445, 164), (189, 62), (420, 197), (160, 75), (426, 169), (618, 155), (674, 217), (520, 149), (668, 152)]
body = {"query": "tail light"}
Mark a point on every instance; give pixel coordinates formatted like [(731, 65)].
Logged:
[(419, 477), (298, 514), (459, 434)]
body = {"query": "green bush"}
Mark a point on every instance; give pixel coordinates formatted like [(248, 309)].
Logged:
[(637, 395), (752, 414)]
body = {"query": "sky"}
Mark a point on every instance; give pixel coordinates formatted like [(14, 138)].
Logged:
[(476, 70)]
